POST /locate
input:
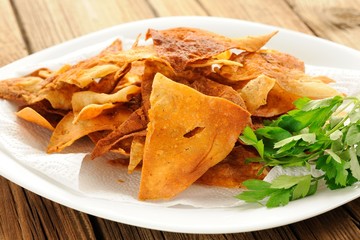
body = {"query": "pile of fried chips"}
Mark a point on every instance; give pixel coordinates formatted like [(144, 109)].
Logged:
[(173, 108)]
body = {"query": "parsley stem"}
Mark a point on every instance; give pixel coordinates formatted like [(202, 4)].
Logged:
[(355, 102), (338, 111), (315, 179)]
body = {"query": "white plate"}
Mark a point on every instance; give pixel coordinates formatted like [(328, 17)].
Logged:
[(312, 50)]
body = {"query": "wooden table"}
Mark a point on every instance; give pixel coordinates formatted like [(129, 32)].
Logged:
[(27, 26)]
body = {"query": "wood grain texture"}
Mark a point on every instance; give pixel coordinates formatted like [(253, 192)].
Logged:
[(25, 215), (165, 8), (337, 224), (336, 20), (57, 21), (106, 229), (10, 226), (12, 45), (354, 209), (272, 12), (43, 219)]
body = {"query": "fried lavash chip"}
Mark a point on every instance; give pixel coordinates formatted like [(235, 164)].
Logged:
[(173, 108), (188, 132), (181, 46)]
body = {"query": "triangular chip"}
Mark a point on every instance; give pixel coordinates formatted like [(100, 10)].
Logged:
[(268, 62), (188, 133), (33, 116), (182, 45)]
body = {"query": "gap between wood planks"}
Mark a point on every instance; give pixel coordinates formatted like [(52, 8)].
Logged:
[(21, 27)]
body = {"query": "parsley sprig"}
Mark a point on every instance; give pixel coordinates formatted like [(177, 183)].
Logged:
[(322, 133)]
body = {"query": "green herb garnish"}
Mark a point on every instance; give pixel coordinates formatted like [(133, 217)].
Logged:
[(323, 133)]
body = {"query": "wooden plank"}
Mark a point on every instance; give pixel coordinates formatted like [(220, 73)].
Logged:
[(243, 236), (353, 208), (40, 218), (10, 227), (26, 215), (57, 21), (284, 232), (177, 8), (12, 45), (106, 229), (336, 20), (336, 224), (272, 12)]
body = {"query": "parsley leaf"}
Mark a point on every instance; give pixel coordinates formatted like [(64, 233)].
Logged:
[(315, 133), (249, 138), (283, 189)]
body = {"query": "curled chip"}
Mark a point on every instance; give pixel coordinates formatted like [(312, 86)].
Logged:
[(31, 115), (87, 104), (136, 152), (23, 90), (259, 87), (67, 132)]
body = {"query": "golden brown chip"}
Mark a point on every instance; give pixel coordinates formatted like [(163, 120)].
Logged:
[(181, 46), (137, 121), (188, 133), (31, 115), (136, 152), (134, 54), (215, 89), (59, 98), (114, 47), (123, 144), (23, 90), (151, 68), (211, 61), (285, 91), (51, 114), (60, 85), (87, 104), (278, 102), (96, 136), (67, 132), (53, 86), (253, 43), (133, 77), (41, 72), (307, 86), (91, 111), (255, 92), (271, 63), (85, 98), (233, 170), (84, 77), (77, 69)]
